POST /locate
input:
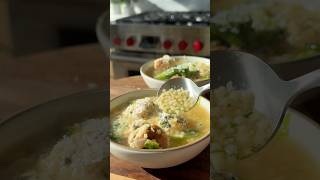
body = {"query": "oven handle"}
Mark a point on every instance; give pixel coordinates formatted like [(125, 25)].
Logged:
[(129, 57)]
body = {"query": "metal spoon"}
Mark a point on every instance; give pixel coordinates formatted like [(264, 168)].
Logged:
[(186, 84), (272, 95)]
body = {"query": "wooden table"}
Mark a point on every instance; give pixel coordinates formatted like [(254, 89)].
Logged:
[(198, 168), (29, 80)]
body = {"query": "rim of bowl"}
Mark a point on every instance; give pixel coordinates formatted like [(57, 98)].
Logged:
[(183, 56), (29, 108), (207, 135)]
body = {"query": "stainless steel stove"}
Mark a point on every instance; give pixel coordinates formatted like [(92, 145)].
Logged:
[(139, 38)]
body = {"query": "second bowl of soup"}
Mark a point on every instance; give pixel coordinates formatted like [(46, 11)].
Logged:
[(157, 72)]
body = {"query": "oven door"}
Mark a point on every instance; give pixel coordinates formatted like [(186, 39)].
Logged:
[(125, 63)]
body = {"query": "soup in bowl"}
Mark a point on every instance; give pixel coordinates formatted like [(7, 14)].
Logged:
[(142, 134), (157, 72)]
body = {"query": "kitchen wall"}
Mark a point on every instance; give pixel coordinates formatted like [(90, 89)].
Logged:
[(5, 40), (38, 25)]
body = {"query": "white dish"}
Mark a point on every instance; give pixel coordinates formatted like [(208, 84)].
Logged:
[(157, 158), (156, 84)]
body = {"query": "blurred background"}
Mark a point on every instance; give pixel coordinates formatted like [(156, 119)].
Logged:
[(32, 26), (284, 33), (48, 49), (278, 31)]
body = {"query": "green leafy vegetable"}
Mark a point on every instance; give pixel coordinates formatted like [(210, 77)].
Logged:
[(116, 128), (151, 144), (248, 38), (188, 134), (115, 137), (187, 70), (165, 124)]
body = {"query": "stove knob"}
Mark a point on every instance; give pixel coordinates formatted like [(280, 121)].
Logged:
[(182, 45), (130, 41), (167, 44), (116, 41), (197, 46)]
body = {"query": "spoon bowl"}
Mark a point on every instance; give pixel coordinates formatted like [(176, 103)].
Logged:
[(185, 84)]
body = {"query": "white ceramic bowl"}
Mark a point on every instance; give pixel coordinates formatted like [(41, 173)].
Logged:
[(146, 68), (156, 158)]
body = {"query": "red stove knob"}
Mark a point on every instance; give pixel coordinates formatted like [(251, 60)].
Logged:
[(197, 46), (182, 45), (116, 41), (130, 41), (167, 44)]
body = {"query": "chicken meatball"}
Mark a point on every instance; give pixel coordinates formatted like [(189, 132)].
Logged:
[(137, 123), (144, 108), (163, 62), (138, 137)]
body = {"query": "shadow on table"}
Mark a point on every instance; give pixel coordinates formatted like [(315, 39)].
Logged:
[(197, 168)]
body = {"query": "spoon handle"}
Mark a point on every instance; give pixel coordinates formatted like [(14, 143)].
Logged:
[(307, 82), (204, 88)]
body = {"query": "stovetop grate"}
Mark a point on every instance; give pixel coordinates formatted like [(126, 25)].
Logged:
[(194, 18)]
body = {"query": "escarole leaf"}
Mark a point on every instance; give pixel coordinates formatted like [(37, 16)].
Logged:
[(186, 70), (151, 144)]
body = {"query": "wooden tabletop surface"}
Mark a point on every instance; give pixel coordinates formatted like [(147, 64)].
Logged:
[(197, 168), (121, 86)]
